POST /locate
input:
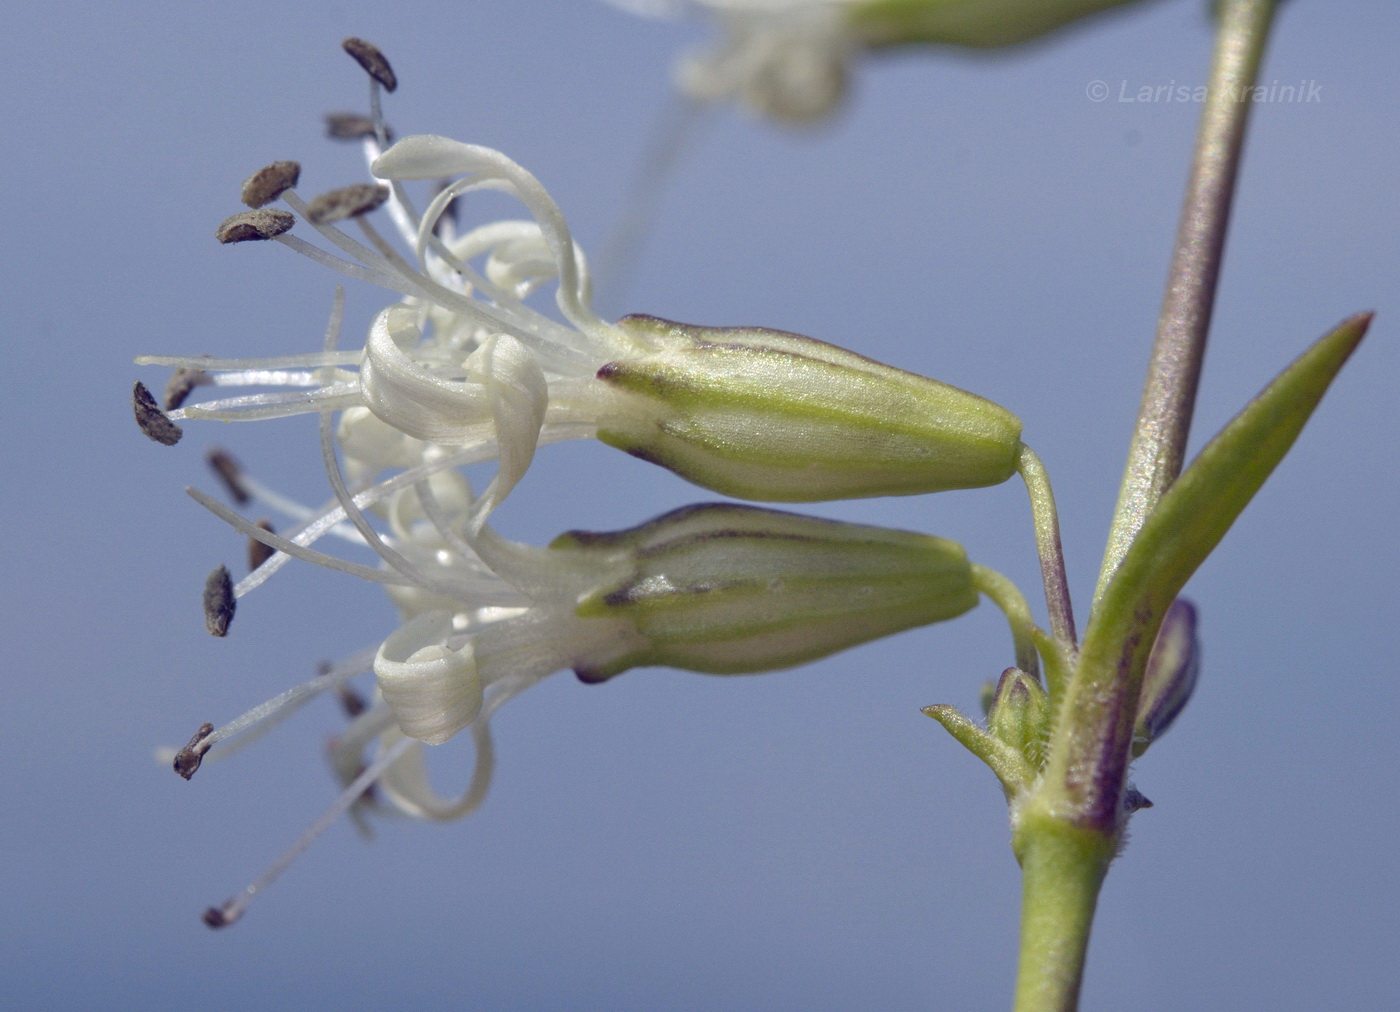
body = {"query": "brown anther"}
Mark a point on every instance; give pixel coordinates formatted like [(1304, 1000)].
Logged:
[(368, 55), (346, 202), (152, 420), (258, 551), (351, 701), (348, 126), (219, 602), (181, 384), (187, 760), (221, 462), (217, 917), (269, 183), (251, 226)]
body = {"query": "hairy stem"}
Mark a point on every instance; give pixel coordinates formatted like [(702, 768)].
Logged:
[(1169, 396)]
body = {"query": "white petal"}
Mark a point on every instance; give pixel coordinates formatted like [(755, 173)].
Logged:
[(518, 395), (433, 690)]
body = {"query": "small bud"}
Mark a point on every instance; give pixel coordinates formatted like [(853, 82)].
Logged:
[(152, 420), (1018, 713), (258, 551), (1172, 670), (348, 126), (778, 417), (270, 182), (346, 202), (368, 56), (219, 603), (253, 226), (736, 589)]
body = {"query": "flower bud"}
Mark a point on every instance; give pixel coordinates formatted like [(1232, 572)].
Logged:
[(1171, 674), (1018, 713), (727, 589), (768, 415)]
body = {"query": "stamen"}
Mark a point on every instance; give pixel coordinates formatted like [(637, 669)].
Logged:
[(348, 126), (182, 383), (152, 420), (252, 226), (376, 65), (351, 701), (270, 182), (346, 202), (219, 602), (229, 472), (187, 760), (258, 552), (229, 912)]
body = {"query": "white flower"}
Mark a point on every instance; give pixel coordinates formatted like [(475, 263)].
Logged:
[(784, 59)]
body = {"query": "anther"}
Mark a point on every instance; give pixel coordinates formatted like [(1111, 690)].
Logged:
[(251, 226), (369, 56), (221, 462), (350, 701), (218, 917), (259, 552), (152, 420), (181, 384), (187, 760), (346, 202), (218, 602), (269, 183), (348, 126)]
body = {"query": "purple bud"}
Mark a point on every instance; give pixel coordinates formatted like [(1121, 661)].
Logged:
[(1171, 675)]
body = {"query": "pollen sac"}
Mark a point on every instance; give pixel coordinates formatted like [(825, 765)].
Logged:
[(372, 59), (269, 183), (219, 602), (254, 226), (778, 417), (1172, 670), (728, 589), (346, 202), (1018, 712), (151, 419)]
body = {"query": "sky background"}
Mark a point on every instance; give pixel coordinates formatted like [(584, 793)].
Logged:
[(804, 839)]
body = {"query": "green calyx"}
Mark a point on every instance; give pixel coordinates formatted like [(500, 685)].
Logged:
[(778, 417)]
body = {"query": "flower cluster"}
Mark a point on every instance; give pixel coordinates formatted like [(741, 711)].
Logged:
[(463, 369)]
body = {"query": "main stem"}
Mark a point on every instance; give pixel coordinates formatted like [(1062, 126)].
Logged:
[(1169, 396), (1069, 825)]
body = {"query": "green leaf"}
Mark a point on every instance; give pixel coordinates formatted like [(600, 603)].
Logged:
[(1200, 507)]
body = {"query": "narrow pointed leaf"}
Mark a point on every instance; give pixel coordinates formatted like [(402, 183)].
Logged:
[(1211, 493)]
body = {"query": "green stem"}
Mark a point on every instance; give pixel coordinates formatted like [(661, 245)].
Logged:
[(1008, 597), (1047, 542), (1169, 396), (1062, 868)]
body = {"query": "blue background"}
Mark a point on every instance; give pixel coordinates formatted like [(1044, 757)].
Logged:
[(667, 841)]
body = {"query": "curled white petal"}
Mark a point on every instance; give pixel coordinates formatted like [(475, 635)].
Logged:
[(434, 690), (518, 396)]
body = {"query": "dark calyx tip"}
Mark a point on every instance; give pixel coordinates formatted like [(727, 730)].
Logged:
[(187, 760), (346, 202), (254, 226), (374, 62), (153, 421), (269, 183), (218, 602)]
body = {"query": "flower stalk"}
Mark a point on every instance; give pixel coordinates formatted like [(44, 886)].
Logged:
[(1067, 828)]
